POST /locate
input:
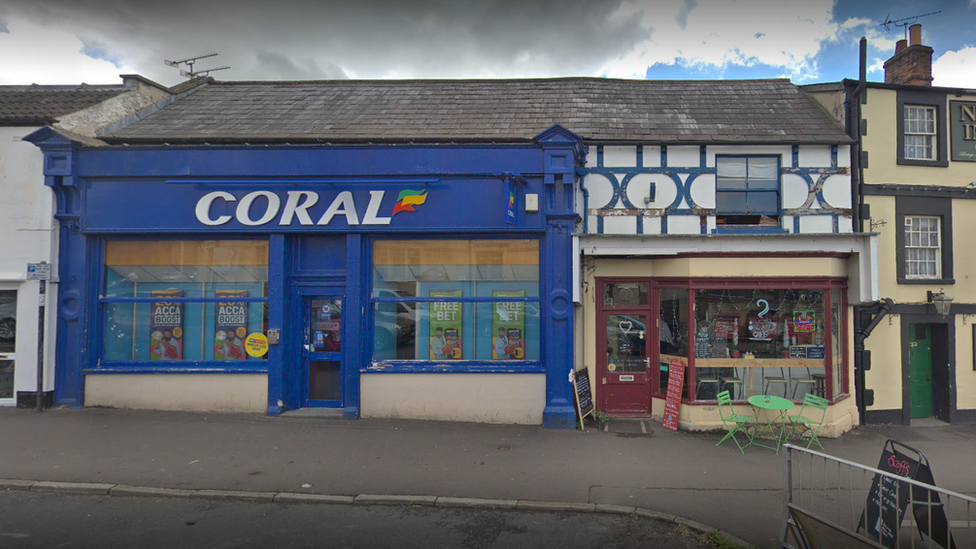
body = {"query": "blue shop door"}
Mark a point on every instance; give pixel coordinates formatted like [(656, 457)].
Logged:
[(322, 351)]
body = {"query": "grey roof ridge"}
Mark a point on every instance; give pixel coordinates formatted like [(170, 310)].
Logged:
[(474, 80), (146, 111)]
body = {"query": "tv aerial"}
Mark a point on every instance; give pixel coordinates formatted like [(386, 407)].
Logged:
[(189, 61), (905, 22)]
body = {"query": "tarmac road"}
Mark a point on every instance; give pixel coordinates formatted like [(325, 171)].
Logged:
[(37, 520), (682, 473)]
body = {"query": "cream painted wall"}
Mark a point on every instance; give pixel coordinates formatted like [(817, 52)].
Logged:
[(882, 143), (964, 261), (884, 377), (965, 374), (188, 392), (481, 398)]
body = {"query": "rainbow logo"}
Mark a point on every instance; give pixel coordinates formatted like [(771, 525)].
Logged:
[(408, 199)]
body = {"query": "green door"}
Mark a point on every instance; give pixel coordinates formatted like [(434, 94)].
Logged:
[(920, 369)]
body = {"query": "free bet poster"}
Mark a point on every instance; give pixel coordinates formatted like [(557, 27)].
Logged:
[(508, 327), (230, 326), (445, 327), (166, 327)]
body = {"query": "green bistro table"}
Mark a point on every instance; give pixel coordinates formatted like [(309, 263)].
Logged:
[(773, 404)]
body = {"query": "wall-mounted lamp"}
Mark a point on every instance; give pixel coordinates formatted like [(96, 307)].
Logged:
[(941, 301)]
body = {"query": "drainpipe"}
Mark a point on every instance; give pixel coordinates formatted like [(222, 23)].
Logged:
[(862, 357), (854, 130)]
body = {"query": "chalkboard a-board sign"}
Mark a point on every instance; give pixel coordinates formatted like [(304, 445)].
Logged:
[(888, 499), (672, 402), (584, 399)]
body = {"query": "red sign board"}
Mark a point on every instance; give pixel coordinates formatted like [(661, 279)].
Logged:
[(672, 404)]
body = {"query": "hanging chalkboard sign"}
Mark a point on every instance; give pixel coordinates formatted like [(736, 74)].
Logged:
[(888, 499), (584, 398)]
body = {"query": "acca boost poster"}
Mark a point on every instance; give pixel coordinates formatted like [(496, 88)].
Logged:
[(508, 327), (230, 326), (166, 327), (445, 327)]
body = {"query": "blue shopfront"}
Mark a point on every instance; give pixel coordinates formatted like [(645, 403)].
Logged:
[(411, 281)]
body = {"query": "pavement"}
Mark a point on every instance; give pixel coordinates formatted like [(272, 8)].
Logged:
[(631, 465)]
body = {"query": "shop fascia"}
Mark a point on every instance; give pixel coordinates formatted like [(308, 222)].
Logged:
[(296, 205)]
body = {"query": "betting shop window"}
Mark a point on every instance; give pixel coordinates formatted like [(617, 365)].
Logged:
[(747, 190), (172, 301), (923, 247), (920, 133), (448, 301)]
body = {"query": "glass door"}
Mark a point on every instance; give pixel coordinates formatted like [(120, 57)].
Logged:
[(323, 351), (8, 343), (625, 369)]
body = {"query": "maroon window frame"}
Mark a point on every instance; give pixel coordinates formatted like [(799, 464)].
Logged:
[(747, 283)]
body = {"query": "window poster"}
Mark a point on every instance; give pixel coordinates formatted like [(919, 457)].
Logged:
[(508, 327), (445, 327), (166, 327), (230, 326)]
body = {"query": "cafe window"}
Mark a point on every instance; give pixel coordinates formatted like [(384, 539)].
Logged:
[(450, 302), (169, 303), (761, 341)]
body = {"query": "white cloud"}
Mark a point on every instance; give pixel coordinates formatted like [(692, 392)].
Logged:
[(786, 34), (956, 69), (51, 56)]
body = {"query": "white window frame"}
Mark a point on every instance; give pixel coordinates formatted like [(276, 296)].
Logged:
[(913, 224), (921, 133)]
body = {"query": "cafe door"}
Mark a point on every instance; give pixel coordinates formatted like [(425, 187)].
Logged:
[(322, 353), (624, 364)]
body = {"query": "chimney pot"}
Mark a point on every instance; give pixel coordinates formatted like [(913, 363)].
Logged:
[(900, 46), (915, 34)]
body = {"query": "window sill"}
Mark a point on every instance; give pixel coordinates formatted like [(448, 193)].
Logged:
[(178, 367), (927, 163), (456, 367), (930, 281), (749, 229)]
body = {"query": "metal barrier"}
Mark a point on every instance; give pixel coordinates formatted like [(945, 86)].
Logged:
[(833, 502)]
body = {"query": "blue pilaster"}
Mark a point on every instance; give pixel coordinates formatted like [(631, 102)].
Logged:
[(353, 318), (279, 261), (72, 343), (562, 152)]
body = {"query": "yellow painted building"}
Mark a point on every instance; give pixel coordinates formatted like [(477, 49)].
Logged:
[(915, 165)]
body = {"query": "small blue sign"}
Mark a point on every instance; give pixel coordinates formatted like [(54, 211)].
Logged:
[(510, 202), (816, 352)]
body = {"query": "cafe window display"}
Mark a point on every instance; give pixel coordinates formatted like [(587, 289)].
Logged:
[(766, 341), (782, 337)]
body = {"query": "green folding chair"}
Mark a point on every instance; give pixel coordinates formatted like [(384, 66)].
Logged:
[(733, 422), (812, 419)]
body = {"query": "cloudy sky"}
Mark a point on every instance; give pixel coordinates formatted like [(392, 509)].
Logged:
[(71, 41)]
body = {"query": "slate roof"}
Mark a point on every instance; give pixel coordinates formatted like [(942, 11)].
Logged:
[(37, 105), (598, 109)]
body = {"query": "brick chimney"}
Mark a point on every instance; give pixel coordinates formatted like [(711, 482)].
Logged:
[(912, 63)]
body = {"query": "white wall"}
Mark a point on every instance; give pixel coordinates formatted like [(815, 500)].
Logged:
[(28, 234)]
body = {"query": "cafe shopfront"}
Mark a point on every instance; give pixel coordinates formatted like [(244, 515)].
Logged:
[(407, 281)]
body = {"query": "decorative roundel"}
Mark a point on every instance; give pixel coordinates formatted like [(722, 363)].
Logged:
[(69, 306), (560, 304)]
